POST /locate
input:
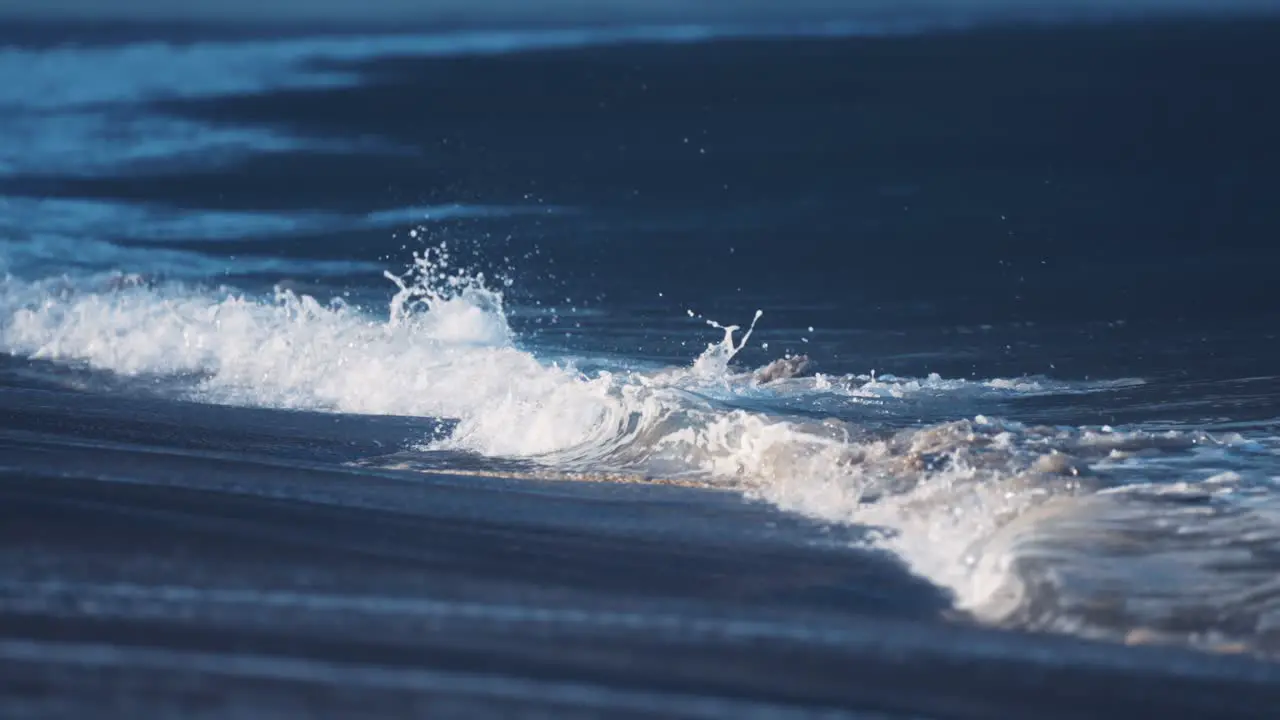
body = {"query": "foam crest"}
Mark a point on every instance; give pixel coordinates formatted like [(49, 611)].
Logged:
[(933, 492), (285, 350)]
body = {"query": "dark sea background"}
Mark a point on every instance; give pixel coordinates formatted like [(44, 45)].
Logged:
[(872, 364)]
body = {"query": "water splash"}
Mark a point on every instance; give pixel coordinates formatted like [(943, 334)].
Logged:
[(455, 304), (714, 361)]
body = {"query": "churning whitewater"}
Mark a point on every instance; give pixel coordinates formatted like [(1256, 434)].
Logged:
[(1134, 533)]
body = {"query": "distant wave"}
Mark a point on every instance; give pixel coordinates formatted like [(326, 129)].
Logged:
[(43, 236), (146, 223), (88, 110)]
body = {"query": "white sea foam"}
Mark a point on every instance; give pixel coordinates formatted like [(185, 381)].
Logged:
[(987, 508)]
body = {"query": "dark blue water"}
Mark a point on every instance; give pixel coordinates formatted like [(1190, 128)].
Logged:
[(662, 371)]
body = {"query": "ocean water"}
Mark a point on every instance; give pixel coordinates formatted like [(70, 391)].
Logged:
[(917, 368)]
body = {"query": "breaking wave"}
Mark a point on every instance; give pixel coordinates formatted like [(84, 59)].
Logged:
[(1131, 533)]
